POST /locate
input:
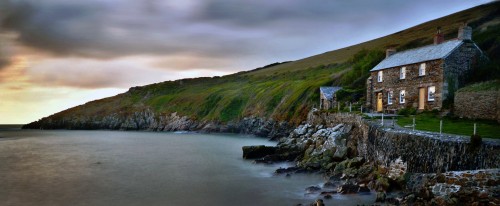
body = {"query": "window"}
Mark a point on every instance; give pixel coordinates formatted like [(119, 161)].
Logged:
[(431, 93), (389, 97), (402, 96), (380, 76), (402, 73), (421, 70)]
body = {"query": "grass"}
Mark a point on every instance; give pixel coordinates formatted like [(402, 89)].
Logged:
[(493, 85), (430, 122)]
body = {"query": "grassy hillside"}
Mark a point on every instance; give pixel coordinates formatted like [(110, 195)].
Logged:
[(286, 91)]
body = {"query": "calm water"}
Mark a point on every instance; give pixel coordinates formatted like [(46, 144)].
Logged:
[(143, 168)]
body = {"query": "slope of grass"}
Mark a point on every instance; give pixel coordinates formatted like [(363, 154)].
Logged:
[(286, 91)]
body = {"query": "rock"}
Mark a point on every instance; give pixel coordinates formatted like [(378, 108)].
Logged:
[(319, 202), (340, 153), (382, 184), (260, 151), (328, 196), (380, 197), (328, 192), (363, 188), (483, 195), (312, 189), (356, 162), (348, 188), (329, 185)]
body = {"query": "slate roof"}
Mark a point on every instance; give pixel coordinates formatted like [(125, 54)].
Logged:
[(329, 91), (421, 54)]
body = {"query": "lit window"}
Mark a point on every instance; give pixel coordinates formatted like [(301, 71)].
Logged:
[(402, 96), (421, 70), (402, 73), (431, 95), (389, 97), (380, 76)]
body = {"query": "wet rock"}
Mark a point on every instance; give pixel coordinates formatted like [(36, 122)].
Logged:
[(380, 197), (331, 192), (319, 202), (363, 188), (348, 188), (329, 185), (313, 189), (254, 152), (328, 196)]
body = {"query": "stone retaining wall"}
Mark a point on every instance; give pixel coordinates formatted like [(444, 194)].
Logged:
[(478, 105), (421, 152)]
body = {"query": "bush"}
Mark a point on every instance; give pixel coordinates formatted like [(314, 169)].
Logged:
[(407, 111)]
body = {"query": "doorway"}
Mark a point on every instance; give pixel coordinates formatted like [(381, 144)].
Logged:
[(421, 98), (379, 102)]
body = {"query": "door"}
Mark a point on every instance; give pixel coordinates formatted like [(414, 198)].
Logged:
[(379, 102), (421, 98)]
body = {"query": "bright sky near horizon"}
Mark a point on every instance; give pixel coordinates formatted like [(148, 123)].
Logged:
[(56, 54)]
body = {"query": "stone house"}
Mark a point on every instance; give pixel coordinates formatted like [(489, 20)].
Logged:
[(423, 77), (327, 97)]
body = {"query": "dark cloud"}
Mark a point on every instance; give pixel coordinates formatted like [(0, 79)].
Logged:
[(260, 29)]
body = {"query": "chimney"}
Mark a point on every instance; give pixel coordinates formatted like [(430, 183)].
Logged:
[(389, 52), (439, 37), (465, 32)]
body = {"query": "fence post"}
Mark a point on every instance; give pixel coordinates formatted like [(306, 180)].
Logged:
[(350, 107), (382, 118), (361, 108), (474, 128), (413, 124), (440, 126)]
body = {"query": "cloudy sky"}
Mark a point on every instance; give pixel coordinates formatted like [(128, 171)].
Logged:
[(55, 54)]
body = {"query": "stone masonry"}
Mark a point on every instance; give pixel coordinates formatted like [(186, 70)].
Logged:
[(478, 105)]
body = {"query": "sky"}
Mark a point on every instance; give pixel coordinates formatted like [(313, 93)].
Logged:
[(56, 54)]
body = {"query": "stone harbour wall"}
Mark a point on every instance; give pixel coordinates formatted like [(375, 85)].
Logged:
[(420, 152), (478, 105)]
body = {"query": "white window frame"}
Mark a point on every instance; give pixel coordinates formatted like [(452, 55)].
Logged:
[(429, 89), (421, 70), (402, 73), (402, 95), (380, 76), (389, 97)]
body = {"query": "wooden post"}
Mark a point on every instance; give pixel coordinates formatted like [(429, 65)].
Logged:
[(382, 118), (440, 126), (413, 124), (350, 107), (338, 106), (474, 128), (361, 108)]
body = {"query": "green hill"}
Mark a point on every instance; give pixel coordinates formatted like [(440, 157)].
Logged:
[(287, 91)]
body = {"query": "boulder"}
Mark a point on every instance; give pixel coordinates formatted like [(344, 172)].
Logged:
[(260, 151), (313, 189), (348, 188)]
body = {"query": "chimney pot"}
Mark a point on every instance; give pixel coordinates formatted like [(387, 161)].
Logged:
[(439, 37), (465, 32)]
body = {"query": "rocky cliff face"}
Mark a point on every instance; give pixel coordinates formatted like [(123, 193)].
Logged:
[(150, 121)]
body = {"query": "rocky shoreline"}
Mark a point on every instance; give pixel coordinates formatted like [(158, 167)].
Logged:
[(147, 120), (342, 148)]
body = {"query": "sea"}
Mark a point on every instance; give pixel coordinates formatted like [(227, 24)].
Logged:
[(72, 167)]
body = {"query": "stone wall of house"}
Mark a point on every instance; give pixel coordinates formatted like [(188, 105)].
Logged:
[(411, 84), (325, 103), (478, 105), (458, 67)]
